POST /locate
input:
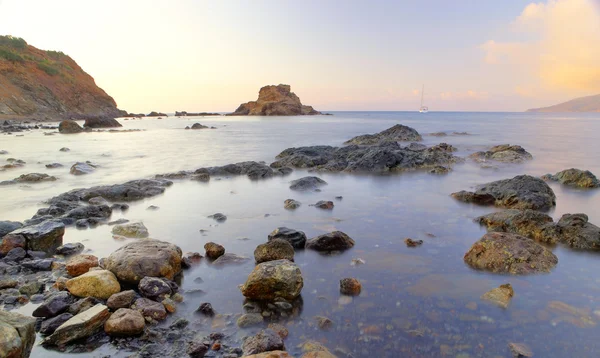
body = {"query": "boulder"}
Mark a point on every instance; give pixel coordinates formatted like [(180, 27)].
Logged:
[(99, 212), (272, 279), (31, 288), (264, 341), (510, 254), (131, 230), (219, 217), (505, 153), (34, 178), (275, 101), (9, 242), (500, 296), (296, 238), (69, 249), (291, 204), (575, 177), (99, 284), (396, 133), (17, 334), (333, 241), (125, 322), (54, 305), (154, 288), (69, 127), (80, 264), (198, 126), (9, 226), (83, 305), (307, 183), (79, 326), (529, 223), (325, 205), (101, 122), (50, 325), (575, 231), (81, 168), (249, 320), (213, 250), (46, 236), (15, 254), (521, 192), (276, 249), (150, 309), (350, 287), (138, 259), (122, 299)]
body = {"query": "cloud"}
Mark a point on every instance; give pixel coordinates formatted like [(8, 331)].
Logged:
[(562, 48)]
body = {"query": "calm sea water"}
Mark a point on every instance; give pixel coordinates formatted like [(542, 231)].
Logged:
[(421, 302)]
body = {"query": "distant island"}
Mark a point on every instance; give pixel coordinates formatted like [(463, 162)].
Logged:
[(48, 85), (581, 104), (275, 101)]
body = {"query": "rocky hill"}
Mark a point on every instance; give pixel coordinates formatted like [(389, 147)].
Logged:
[(48, 85), (581, 104), (275, 101)]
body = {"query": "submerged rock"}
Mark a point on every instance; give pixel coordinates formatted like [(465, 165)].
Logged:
[(30, 178), (520, 350), (325, 205), (249, 320), (500, 296), (350, 287), (575, 177), (219, 217), (520, 192), (54, 165), (69, 127), (296, 238), (198, 126), (505, 153), (276, 249), (230, 259), (79, 326), (333, 241), (510, 253), (133, 261), (396, 133), (272, 279), (81, 168), (17, 334), (264, 341), (291, 204), (131, 230), (307, 183), (99, 284)]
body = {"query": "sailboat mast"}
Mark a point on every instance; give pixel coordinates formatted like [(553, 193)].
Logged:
[(422, 92)]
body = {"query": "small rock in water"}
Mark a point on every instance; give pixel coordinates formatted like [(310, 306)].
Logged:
[(249, 320), (357, 262), (326, 205), (64, 149), (152, 207), (324, 323), (206, 309), (219, 217), (413, 243), (118, 222), (54, 165), (339, 197), (213, 250), (501, 296), (350, 287), (125, 322), (81, 168), (133, 230), (307, 183), (519, 350), (291, 204)]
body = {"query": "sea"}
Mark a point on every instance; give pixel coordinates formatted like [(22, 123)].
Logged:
[(415, 302)]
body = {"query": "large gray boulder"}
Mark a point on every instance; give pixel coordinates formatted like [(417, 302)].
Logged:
[(46, 236), (8, 226), (17, 334)]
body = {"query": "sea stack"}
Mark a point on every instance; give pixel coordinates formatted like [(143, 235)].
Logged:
[(275, 101)]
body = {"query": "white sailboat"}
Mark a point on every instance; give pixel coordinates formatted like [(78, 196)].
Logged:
[(423, 109)]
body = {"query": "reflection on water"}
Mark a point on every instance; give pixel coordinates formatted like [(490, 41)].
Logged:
[(416, 302)]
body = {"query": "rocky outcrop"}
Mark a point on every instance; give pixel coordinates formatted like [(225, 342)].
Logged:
[(529, 223), (575, 177), (199, 114), (156, 114), (17, 334), (273, 279), (510, 254), (101, 123), (275, 101), (505, 153), (397, 133), (520, 192), (48, 84), (254, 171), (138, 259), (379, 158), (69, 127)]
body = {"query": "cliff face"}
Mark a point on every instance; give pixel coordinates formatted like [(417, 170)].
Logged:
[(581, 104), (48, 84), (275, 101)]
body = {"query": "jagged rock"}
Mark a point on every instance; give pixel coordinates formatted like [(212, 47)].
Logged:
[(81, 168), (55, 304), (17, 334), (206, 309), (122, 299), (219, 217), (138, 259), (69, 127), (46, 236), (350, 287), (384, 157), (272, 279), (83, 305), (131, 230), (397, 133), (575, 177), (275, 101), (529, 223), (500, 296), (80, 264), (102, 122), (307, 183), (510, 253), (99, 284), (333, 241), (70, 249), (8, 226), (575, 231), (264, 341), (125, 322), (520, 192), (38, 264), (520, 350), (213, 250), (276, 249), (79, 326), (291, 204), (505, 153), (16, 254), (50, 325)]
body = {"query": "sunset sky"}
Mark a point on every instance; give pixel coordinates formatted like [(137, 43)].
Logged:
[(506, 55)]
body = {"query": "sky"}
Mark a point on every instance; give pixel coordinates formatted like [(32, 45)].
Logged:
[(194, 55)]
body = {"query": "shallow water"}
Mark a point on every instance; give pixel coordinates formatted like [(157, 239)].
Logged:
[(416, 302)]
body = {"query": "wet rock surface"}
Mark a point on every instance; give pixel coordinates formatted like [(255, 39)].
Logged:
[(530, 223), (253, 170), (46, 236), (101, 122), (276, 249), (333, 241), (69, 127), (264, 341), (213, 250), (80, 326), (81, 168), (500, 296), (275, 101), (307, 183), (272, 279), (99, 284), (17, 334), (9, 226), (397, 133), (291, 204), (30, 178), (505, 153), (510, 253), (350, 286), (575, 231), (575, 177), (296, 238), (125, 322), (520, 192), (80, 264), (131, 230)]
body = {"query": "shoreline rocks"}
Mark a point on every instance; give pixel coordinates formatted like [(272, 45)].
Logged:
[(397, 133), (307, 183), (69, 127), (79, 326), (575, 177), (333, 241), (275, 249), (100, 284), (101, 122), (17, 334), (504, 153)]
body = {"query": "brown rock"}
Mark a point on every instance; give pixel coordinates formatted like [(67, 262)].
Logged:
[(10, 242), (121, 300), (275, 101), (80, 264), (413, 243), (500, 296), (69, 127), (272, 354), (350, 287), (214, 251), (150, 309), (519, 350), (272, 279), (276, 249), (99, 284), (125, 322)]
